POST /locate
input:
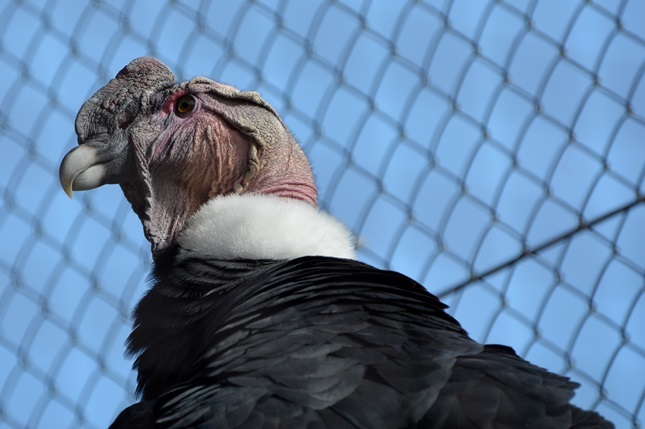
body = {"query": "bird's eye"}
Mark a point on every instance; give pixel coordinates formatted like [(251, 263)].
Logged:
[(185, 104)]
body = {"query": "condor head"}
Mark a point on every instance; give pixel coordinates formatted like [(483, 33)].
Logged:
[(173, 146)]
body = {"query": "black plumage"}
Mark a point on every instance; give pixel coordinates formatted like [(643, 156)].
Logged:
[(259, 349)]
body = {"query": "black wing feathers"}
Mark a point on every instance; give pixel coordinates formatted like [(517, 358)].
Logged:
[(321, 342), (316, 335)]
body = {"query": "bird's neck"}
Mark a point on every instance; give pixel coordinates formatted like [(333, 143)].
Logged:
[(261, 226)]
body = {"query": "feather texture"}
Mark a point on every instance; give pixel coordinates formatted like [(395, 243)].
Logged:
[(258, 226), (323, 342)]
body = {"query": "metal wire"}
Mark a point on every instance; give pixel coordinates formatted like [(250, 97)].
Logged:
[(491, 150)]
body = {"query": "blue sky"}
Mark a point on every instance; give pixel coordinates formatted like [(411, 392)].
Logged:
[(451, 136)]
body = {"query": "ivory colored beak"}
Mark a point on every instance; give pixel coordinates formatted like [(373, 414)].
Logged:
[(81, 169)]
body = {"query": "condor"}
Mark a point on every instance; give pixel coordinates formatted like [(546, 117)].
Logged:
[(259, 316)]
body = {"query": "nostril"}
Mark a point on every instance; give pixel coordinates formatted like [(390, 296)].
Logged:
[(126, 114), (124, 119)]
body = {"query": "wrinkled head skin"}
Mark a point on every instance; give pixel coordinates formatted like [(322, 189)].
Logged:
[(172, 147)]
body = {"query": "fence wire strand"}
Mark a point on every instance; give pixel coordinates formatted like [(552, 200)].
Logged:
[(492, 150)]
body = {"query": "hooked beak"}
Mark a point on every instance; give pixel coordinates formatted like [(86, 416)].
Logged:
[(84, 168)]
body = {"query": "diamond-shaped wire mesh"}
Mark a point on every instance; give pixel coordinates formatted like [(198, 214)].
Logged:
[(493, 150)]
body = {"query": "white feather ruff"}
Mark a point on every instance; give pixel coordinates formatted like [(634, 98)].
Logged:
[(256, 226)]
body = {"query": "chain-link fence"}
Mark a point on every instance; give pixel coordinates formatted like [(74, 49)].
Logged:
[(493, 150)]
